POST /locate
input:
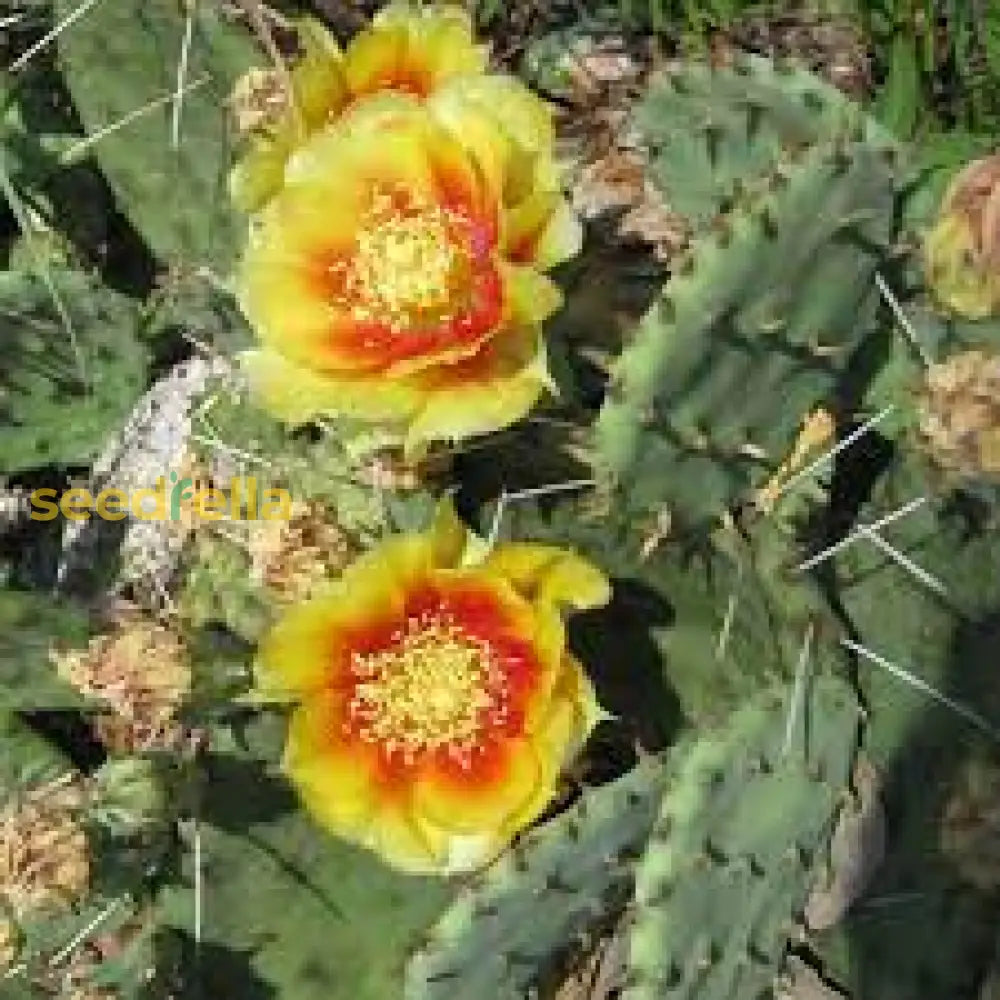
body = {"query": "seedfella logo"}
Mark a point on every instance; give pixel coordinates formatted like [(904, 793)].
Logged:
[(245, 500)]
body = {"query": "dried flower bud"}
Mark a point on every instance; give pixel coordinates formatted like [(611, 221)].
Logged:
[(140, 670), (293, 557), (44, 858), (962, 250), (259, 101), (960, 414)]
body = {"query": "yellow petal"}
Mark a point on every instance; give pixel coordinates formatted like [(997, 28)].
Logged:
[(260, 172), (561, 239), (577, 688), (439, 45), (305, 649), (392, 566), (302, 651), (294, 656), (318, 77), (345, 163), (532, 297), (550, 742), (526, 118), (334, 780), (485, 796), (552, 575), (572, 715), (341, 787), (543, 230), (375, 57), (396, 835), (479, 134), (485, 393), (386, 109), (296, 394)]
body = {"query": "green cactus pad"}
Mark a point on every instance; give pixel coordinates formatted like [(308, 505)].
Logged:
[(748, 339), (125, 55), (942, 930), (729, 866), (297, 911), (510, 927), (32, 625), (713, 131), (59, 401)]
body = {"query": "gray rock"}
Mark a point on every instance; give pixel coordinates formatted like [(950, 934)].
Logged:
[(152, 443)]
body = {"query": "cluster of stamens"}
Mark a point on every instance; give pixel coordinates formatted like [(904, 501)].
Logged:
[(436, 687), (409, 265)]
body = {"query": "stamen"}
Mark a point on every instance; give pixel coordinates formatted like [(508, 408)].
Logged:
[(411, 264), (436, 688)]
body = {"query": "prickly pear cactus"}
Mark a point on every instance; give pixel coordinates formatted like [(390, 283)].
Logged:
[(770, 571), (168, 167), (751, 335), (506, 933), (715, 133), (747, 811), (73, 366)]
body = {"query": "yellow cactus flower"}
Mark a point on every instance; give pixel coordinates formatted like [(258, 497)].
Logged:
[(388, 281), (436, 703), (405, 50), (962, 250)]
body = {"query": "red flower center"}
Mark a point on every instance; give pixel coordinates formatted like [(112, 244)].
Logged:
[(420, 275), (448, 679), (436, 687)]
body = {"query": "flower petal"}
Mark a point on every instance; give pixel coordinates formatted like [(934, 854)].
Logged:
[(543, 230), (413, 51), (487, 392), (344, 787), (501, 779), (296, 394), (523, 115), (376, 60), (306, 649), (573, 713), (532, 297), (549, 574), (337, 780)]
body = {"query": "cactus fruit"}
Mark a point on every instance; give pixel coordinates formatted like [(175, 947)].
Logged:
[(507, 931), (720, 889), (962, 248)]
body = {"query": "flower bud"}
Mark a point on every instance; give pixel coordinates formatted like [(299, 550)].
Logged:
[(962, 250)]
